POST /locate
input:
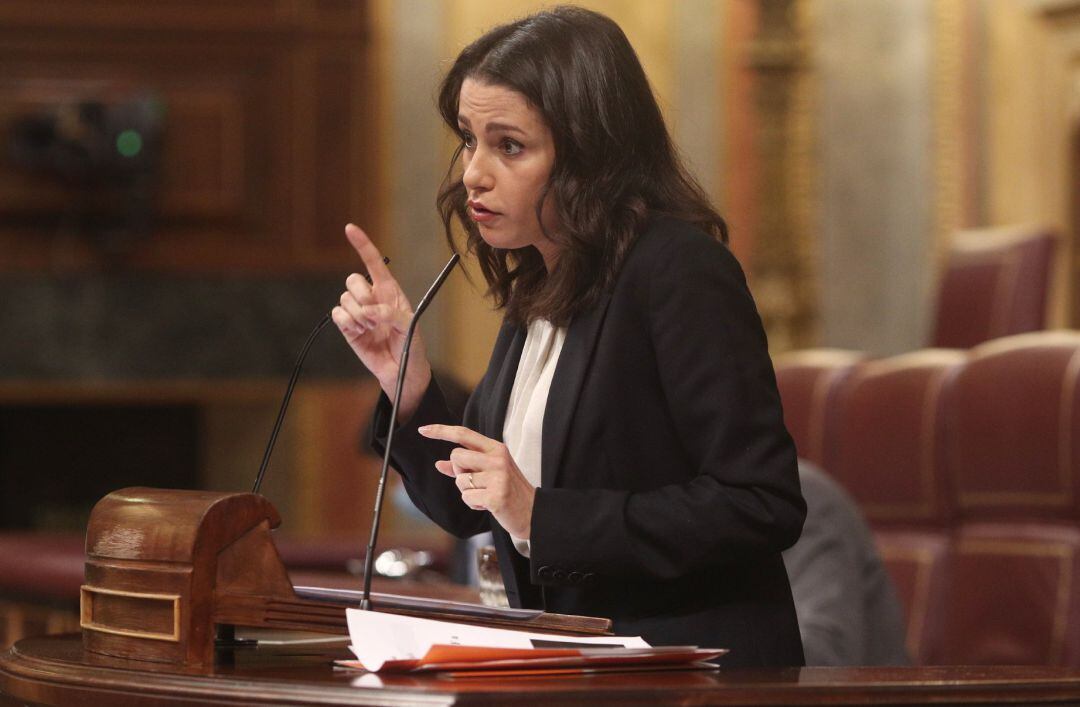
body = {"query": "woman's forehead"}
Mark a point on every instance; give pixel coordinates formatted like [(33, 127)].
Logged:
[(488, 101)]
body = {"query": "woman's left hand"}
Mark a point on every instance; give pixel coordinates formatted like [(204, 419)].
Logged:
[(487, 476)]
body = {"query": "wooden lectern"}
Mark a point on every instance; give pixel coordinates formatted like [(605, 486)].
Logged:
[(166, 568)]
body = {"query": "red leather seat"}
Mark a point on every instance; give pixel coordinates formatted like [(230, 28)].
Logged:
[(1013, 438), (809, 381), (887, 451), (1010, 596), (887, 439), (42, 566), (995, 284), (917, 563), (1013, 454), (967, 465)]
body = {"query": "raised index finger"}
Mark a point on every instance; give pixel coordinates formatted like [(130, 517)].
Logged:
[(459, 435), (373, 259)]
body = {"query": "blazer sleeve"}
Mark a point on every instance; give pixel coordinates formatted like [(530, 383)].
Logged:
[(742, 498), (414, 457)]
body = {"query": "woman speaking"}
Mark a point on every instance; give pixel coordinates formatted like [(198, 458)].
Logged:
[(626, 445)]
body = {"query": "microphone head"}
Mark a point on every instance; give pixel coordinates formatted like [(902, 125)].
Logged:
[(430, 294)]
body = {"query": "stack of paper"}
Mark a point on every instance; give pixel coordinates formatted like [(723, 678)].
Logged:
[(390, 642)]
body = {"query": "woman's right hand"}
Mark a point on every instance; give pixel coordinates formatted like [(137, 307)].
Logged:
[(374, 318)]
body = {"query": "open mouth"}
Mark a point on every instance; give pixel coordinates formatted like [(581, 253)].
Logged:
[(480, 214)]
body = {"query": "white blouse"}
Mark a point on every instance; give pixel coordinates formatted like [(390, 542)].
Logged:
[(524, 427)]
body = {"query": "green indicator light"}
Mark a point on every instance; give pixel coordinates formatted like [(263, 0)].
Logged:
[(129, 143)]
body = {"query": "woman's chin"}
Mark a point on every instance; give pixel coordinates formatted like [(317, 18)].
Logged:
[(498, 237)]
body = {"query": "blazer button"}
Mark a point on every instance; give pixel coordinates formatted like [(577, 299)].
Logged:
[(544, 572), (589, 578), (559, 575), (575, 577)]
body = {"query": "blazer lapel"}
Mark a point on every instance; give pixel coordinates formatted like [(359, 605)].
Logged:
[(504, 384), (566, 387)]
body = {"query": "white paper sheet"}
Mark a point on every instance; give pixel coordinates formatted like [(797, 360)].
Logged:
[(378, 637)]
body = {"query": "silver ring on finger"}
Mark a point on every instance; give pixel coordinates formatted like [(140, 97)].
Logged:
[(469, 478)]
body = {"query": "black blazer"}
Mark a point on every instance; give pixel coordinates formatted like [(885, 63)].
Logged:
[(669, 482)]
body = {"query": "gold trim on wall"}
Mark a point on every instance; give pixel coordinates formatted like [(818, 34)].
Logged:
[(949, 93), (1032, 116), (782, 267), (805, 196)]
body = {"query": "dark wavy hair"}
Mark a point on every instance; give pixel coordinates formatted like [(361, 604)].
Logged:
[(615, 163)]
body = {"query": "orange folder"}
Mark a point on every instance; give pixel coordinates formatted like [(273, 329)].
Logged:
[(498, 660)]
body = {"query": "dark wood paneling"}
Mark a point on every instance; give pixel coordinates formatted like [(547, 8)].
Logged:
[(269, 108), (331, 16), (344, 153)]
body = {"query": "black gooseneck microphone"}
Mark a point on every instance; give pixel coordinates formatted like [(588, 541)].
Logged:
[(288, 394), (285, 401), (369, 558)]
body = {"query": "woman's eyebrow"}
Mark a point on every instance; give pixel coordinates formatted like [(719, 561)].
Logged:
[(493, 127), (504, 127)]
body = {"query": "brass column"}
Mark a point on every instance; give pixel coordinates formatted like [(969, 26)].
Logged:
[(782, 266)]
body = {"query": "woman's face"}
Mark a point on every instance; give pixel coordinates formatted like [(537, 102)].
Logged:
[(508, 156)]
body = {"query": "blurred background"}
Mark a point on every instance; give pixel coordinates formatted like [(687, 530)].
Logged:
[(175, 177)]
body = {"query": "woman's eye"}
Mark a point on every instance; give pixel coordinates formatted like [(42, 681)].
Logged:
[(469, 140), (510, 147)]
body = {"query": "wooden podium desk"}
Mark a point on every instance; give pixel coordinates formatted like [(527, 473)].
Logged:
[(54, 670)]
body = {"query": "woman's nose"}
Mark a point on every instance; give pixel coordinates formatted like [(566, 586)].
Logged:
[(477, 175)]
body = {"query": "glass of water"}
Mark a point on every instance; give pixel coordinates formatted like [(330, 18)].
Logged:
[(492, 591)]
